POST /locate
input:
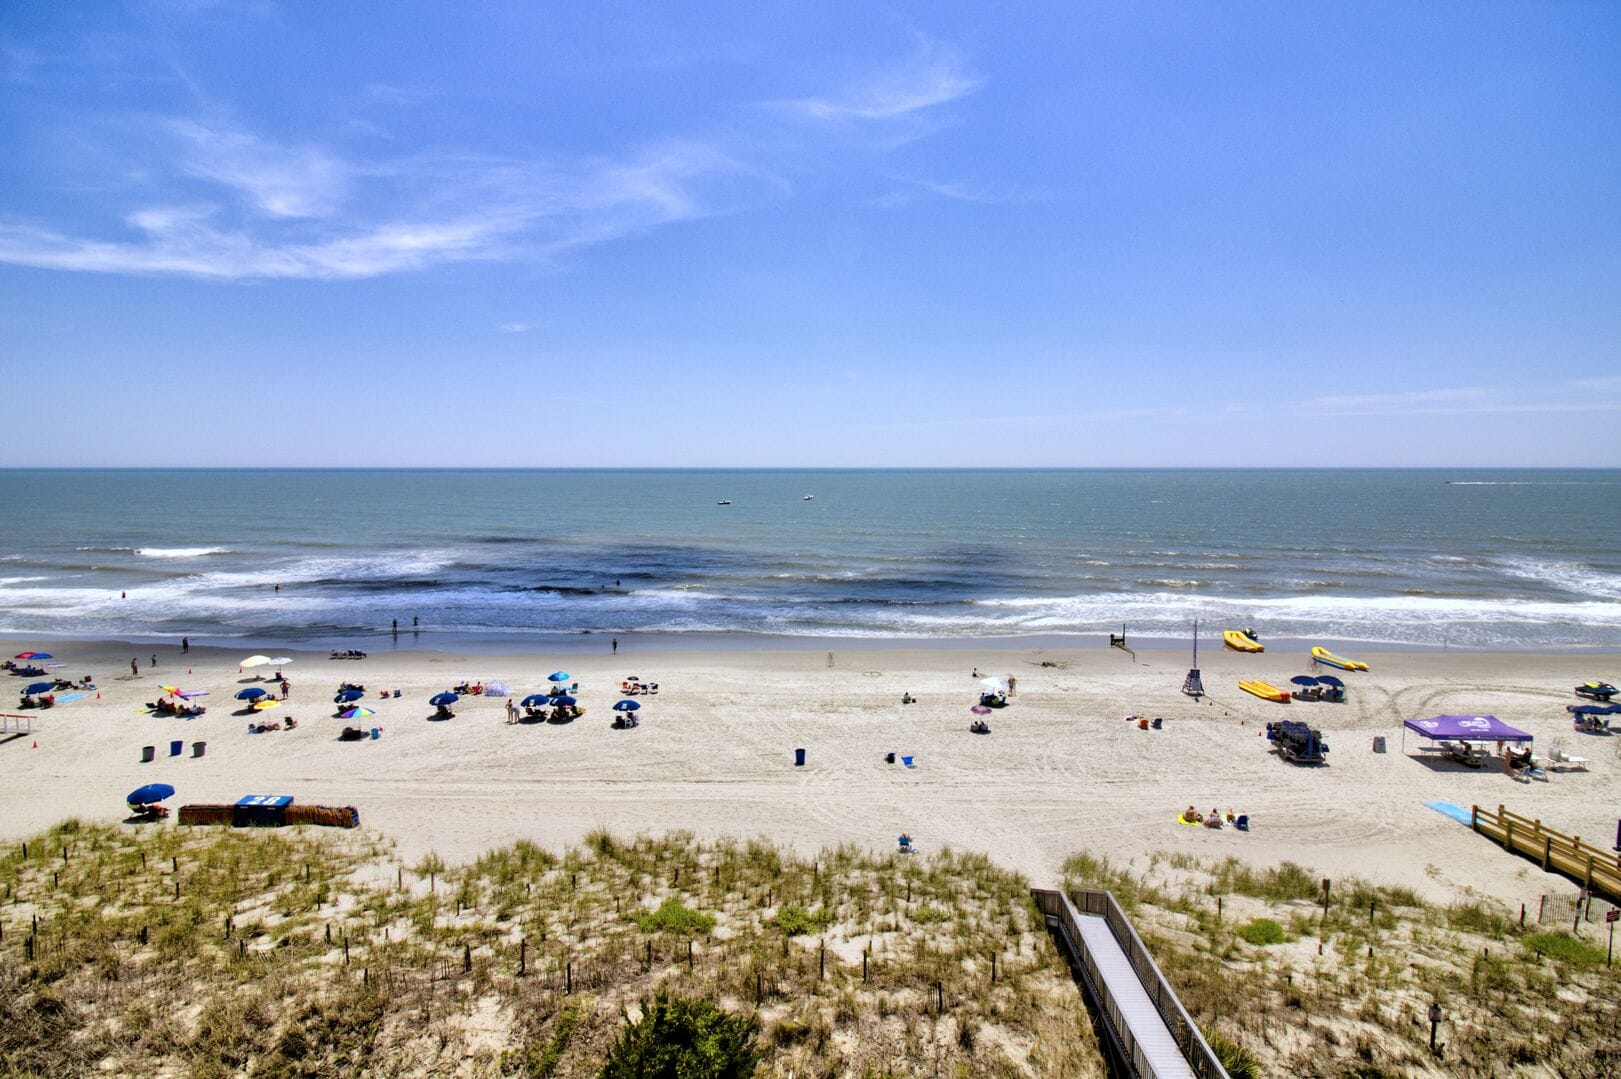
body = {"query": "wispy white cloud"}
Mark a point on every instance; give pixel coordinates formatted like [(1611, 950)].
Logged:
[(302, 181), (1041, 420), (1606, 382), (935, 75), (1471, 400), (219, 199), (514, 327)]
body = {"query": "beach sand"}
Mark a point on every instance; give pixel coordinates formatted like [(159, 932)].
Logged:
[(1062, 771)]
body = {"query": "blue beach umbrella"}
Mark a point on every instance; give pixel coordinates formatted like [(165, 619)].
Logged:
[(39, 687), (1305, 680), (37, 655), (346, 695), (252, 693), (558, 676), (536, 700), (152, 792), (627, 706), (1330, 680), (439, 700), (563, 699)]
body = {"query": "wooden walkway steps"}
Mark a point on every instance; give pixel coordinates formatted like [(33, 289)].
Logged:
[(1594, 868), (1144, 1023)]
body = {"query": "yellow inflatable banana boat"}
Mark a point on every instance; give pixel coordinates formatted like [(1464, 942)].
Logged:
[(1327, 658), (1239, 641), (1264, 690)]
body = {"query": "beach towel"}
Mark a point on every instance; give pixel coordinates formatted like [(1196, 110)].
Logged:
[(1457, 813), (1180, 819), (70, 697)]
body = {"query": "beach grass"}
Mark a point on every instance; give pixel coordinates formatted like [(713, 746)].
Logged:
[(216, 951), (1296, 984)]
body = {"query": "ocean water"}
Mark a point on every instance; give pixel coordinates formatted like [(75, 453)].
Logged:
[(1471, 559)]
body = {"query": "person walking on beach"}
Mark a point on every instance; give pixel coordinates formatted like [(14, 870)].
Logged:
[(395, 626), (134, 668), (286, 687), (185, 646), (1012, 686), (615, 646), (154, 659), (512, 711)]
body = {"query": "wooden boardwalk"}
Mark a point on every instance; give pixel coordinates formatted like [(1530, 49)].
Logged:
[(1145, 1025), (1594, 868)]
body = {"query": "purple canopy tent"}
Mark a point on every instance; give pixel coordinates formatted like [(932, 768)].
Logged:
[(1465, 729)]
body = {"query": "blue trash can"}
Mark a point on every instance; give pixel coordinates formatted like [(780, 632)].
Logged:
[(175, 747), (799, 758)]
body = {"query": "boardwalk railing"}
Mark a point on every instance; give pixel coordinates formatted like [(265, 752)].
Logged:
[(1594, 868), (1065, 914)]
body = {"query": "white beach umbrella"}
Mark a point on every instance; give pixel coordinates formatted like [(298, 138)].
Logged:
[(255, 661), (282, 661), (993, 683)]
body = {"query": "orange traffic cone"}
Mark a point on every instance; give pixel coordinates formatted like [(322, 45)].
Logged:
[(98, 695), (36, 745)]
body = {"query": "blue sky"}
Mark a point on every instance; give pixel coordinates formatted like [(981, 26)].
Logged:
[(256, 233)]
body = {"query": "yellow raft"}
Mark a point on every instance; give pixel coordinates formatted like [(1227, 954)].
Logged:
[(1265, 690), (1324, 656), (1239, 641)]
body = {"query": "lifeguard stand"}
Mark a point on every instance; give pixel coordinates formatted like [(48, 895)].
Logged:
[(1192, 685)]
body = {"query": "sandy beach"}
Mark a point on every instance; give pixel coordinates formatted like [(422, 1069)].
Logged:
[(1061, 772)]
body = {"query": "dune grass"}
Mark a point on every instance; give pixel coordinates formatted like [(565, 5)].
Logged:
[(215, 951), (1296, 986)]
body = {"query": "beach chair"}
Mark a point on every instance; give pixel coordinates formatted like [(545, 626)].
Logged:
[(905, 843), (907, 761), (1243, 822)]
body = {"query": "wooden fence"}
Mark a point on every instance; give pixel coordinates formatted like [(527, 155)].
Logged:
[(1594, 868)]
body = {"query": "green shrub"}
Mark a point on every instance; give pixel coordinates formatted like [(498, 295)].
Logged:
[(673, 917), (1238, 1061), (1565, 948), (928, 915), (794, 921), (680, 1038), (1262, 931)]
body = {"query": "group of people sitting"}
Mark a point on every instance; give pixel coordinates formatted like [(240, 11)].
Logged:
[(265, 728), (27, 670), (559, 713), (163, 706), (475, 689), (352, 734), (632, 686), (1216, 819), (907, 698), (347, 653), (624, 721), (44, 700), (979, 726)]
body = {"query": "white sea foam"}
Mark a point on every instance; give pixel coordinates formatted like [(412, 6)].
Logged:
[(1569, 576), (171, 552)]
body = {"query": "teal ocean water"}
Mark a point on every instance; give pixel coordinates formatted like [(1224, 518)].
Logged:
[(1474, 559)]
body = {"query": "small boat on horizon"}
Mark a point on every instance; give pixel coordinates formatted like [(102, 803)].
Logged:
[(807, 498), (724, 502)]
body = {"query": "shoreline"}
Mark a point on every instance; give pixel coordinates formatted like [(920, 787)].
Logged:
[(586, 642), (1061, 773)]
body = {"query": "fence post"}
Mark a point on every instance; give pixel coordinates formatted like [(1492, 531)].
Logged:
[(523, 957)]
